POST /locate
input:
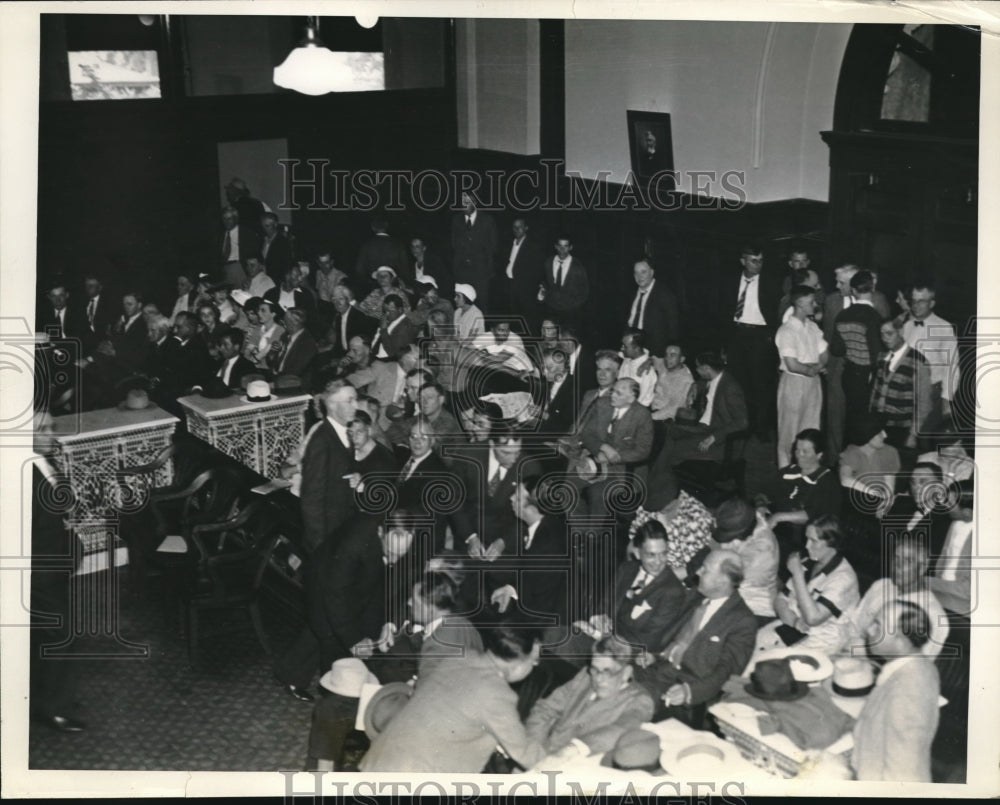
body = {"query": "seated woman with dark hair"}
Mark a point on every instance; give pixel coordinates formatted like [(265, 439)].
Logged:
[(868, 465), (806, 489), (896, 727), (819, 593), (593, 709), (463, 710)]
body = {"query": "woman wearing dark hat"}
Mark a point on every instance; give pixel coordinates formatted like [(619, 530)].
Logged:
[(868, 465), (739, 528)]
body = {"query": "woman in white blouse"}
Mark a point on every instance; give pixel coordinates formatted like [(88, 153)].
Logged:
[(270, 333)]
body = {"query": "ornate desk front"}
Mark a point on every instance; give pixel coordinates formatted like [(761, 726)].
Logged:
[(258, 435), (93, 449)]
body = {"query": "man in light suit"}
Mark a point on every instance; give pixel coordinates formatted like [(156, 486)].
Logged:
[(565, 287), (653, 309), (473, 245), (721, 410), (894, 733), (326, 497), (613, 447), (713, 642)]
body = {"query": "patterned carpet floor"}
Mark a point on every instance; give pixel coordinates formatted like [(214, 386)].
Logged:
[(158, 713)]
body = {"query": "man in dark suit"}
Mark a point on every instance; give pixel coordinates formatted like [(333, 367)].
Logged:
[(58, 317), (238, 241), (565, 286), (234, 366), (289, 293), (653, 310), (296, 348), (490, 473), (428, 266), (580, 359), (347, 323), (712, 643), (275, 248), (396, 331), (382, 249), (194, 364), (55, 552), (920, 512), (326, 496), (250, 209), (353, 585), (520, 275), (557, 409), (423, 469), (749, 311), (129, 338), (644, 605), (535, 562), (721, 410), (614, 447), (161, 361), (97, 310), (473, 245)]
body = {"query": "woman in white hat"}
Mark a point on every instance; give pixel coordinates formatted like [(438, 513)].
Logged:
[(469, 320), (388, 283)]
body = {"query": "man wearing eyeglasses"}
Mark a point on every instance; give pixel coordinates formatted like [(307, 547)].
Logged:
[(589, 713)]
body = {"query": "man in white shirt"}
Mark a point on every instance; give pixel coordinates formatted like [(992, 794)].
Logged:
[(505, 348), (927, 332), (235, 248), (803, 353), (637, 365), (258, 283), (672, 384)]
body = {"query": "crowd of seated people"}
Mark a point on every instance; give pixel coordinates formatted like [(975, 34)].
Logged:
[(491, 429)]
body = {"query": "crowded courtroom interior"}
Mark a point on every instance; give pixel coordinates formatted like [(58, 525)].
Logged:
[(503, 395)]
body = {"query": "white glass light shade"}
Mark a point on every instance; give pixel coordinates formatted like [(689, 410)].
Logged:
[(313, 70)]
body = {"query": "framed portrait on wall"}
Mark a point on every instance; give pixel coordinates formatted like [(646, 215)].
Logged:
[(650, 144)]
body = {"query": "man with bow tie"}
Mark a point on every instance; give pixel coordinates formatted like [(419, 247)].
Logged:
[(925, 331), (902, 392), (714, 641)]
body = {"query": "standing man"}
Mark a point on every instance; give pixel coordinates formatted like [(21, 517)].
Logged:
[(381, 249), (473, 244), (927, 332), (249, 209), (238, 243), (856, 339), (97, 311), (275, 249), (836, 410), (565, 287), (326, 497), (751, 302), (803, 354), (902, 393), (428, 268), (653, 309), (520, 276)]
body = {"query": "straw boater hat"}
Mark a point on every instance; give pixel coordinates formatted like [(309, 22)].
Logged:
[(258, 391), (346, 677), (390, 269)]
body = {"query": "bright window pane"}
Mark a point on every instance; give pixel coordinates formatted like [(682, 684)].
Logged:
[(113, 75)]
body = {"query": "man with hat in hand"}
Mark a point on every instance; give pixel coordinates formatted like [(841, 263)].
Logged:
[(715, 641)]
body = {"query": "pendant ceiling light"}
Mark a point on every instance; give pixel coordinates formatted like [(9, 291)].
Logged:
[(312, 68)]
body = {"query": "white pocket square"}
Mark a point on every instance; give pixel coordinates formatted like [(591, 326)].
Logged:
[(713, 639), (638, 609)]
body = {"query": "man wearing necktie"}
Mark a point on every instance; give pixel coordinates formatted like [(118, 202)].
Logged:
[(620, 451), (901, 392), (474, 244), (749, 309), (565, 286), (714, 642), (653, 309), (58, 319)]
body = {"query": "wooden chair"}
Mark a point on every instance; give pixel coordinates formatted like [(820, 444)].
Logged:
[(712, 482), (233, 556)]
